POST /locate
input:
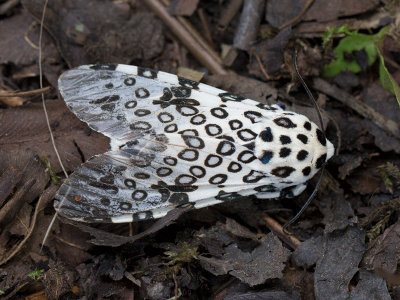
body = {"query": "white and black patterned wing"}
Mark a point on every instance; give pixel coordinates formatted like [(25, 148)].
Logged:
[(142, 182), (128, 101), (176, 141)]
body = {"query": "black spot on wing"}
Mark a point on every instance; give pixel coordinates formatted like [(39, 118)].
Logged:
[(106, 99), (171, 128), (284, 152), (253, 176), (130, 104), (219, 112), (307, 126), (266, 157), (218, 179), (192, 132), (129, 81), (147, 73), (197, 171), (266, 135), (285, 139), (246, 156), (230, 97), (167, 95), (320, 161), (235, 124), (282, 172), (213, 129), (110, 67), (302, 155), (303, 138), (189, 154), (226, 148), (246, 135), (171, 161), (306, 171), (181, 92), (198, 119), (193, 141), (142, 93), (188, 83), (254, 116), (234, 167), (164, 171), (321, 137), (284, 122), (179, 198), (213, 161)]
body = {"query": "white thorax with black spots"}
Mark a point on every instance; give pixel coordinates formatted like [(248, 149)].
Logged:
[(177, 142)]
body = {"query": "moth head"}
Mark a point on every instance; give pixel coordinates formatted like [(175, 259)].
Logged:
[(292, 147)]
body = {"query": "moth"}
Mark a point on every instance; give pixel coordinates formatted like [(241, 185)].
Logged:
[(176, 142)]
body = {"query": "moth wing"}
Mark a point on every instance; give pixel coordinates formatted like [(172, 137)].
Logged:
[(125, 102), (144, 181)]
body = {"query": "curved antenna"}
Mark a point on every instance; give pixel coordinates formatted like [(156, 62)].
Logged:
[(292, 220)]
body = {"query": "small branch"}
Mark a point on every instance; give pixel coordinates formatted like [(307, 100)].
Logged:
[(228, 13), (205, 25), (298, 17), (44, 198), (25, 94), (276, 228), (6, 6), (363, 109), (204, 56)]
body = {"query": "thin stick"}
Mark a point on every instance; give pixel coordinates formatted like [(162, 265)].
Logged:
[(228, 13), (205, 25), (298, 17), (43, 197), (41, 86), (360, 107), (45, 113), (194, 47), (26, 94), (276, 228)]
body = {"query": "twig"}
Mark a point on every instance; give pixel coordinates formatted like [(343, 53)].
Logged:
[(228, 13), (43, 198), (46, 115), (205, 25), (197, 37), (25, 94), (261, 65), (298, 17), (194, 47), (276, 228), (363, 109), (6, 6), (11, 208)]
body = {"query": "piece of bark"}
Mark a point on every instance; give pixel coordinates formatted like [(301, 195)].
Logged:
[(250, 18)]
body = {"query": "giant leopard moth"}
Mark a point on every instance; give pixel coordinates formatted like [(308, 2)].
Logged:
[(177, 142)]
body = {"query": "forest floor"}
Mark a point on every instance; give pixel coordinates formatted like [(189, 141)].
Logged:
[(346, 245)]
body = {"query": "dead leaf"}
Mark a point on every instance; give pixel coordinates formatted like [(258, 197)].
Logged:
[(25, 128), (384, 252), (265, 262), (338, 263)]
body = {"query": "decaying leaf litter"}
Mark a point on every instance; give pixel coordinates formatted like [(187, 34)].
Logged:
[(345, 244)]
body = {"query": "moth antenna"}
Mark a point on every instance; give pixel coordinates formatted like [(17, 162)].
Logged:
[(314, 102)]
